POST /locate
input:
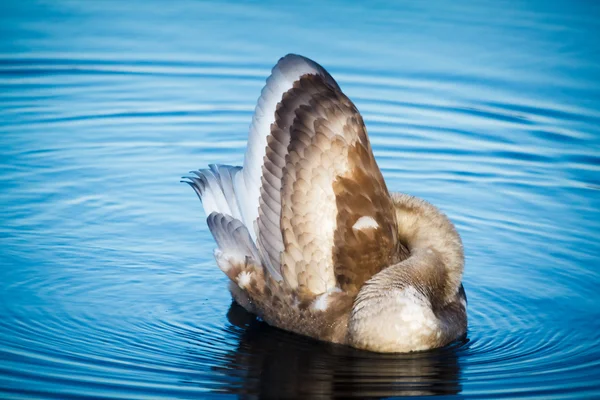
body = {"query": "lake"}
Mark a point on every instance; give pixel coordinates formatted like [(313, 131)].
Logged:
[(108, 287)]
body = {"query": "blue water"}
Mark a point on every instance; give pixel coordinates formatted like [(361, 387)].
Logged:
[(108, 289)]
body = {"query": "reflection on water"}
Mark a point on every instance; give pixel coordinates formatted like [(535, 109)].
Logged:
[(270, 363), (108, 288)]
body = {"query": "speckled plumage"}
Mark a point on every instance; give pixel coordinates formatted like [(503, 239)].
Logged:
[(311, 238)]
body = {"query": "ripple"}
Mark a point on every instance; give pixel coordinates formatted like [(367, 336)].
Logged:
[(109, 289)]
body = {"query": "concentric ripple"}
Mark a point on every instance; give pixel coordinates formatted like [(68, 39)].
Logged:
[(108, 288)]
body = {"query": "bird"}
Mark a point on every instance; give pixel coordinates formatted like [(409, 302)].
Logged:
[(312, 240)]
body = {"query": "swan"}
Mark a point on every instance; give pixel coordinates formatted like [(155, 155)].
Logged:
[(312, 240)]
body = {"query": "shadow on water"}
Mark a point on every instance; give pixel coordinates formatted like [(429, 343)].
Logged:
[(271, 363)]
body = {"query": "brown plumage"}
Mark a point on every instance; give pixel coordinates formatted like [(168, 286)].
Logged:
[(311, 238)]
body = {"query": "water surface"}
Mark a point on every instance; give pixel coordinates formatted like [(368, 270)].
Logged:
[(108, 289)]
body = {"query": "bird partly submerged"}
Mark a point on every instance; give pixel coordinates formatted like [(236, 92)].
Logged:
[(310, 236)]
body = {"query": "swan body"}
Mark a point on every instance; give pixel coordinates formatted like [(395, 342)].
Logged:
[(312, 240)]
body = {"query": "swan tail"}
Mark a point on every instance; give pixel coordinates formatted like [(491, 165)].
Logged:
[(220, 197), (215, 186), (235, 247)]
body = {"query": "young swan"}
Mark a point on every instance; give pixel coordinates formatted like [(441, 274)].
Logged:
[(311, 238)]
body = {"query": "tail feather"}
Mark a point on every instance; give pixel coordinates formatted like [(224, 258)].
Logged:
[(232, 236), (215, 188), (226, 175)]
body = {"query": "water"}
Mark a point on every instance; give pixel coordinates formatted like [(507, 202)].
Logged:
[(490, 110)]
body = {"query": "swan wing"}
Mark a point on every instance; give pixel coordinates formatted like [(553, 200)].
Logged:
[(325, 217), (310, 201), (287, 71)]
